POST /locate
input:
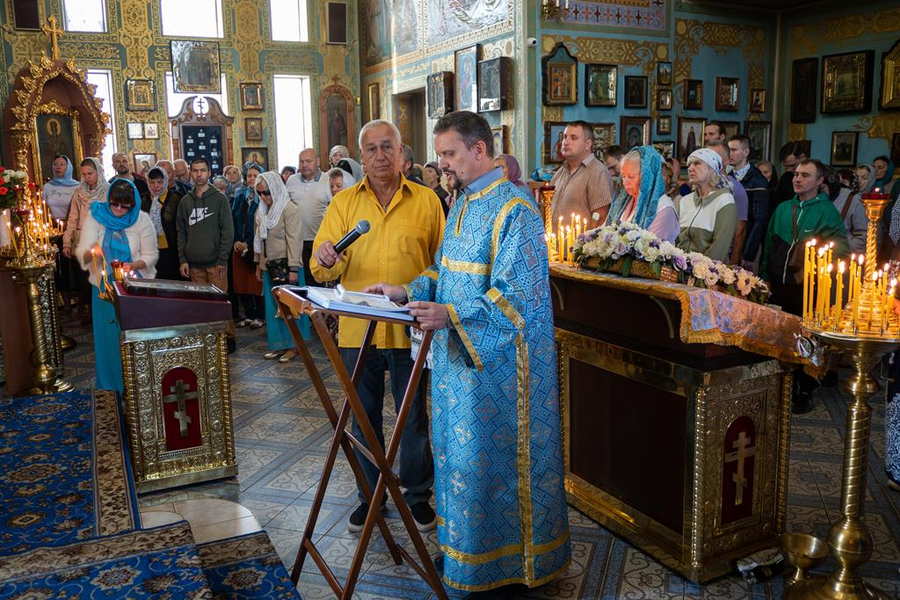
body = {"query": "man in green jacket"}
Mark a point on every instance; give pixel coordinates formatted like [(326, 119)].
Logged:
[(782, 259), (205, 234)]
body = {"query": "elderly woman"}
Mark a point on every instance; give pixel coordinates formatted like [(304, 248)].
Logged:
[(513, 172), (339, 180), (337, 154), (431, 177), (643, 200), (93, 188), (246, 287), (853, 213), (707, 216), (234, 181), (278, 250), (161, 203), (115, 230)]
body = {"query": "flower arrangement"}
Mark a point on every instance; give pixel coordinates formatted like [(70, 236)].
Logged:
[(622, 247), (9, 181)]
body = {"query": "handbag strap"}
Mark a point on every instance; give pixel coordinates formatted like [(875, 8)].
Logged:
[(846, 208)]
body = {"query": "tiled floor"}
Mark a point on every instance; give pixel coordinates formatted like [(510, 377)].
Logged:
[(282, 435)]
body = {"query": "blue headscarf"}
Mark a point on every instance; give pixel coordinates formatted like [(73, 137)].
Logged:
[(66, 180), (115, 242), (651, 189)]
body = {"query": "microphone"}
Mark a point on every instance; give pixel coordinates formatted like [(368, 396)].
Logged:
[(344, 243)]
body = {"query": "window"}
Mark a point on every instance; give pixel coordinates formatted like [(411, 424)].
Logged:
[(192, 19), (102, 78), (84, 15), (289, 20), (174, 100), (293, 118)]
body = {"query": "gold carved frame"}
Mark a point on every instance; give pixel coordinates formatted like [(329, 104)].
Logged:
[(890, 79), (54, 108)]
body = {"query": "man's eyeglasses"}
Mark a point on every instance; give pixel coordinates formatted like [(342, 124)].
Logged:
[(264, 192)]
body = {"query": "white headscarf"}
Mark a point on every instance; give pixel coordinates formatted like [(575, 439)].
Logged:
[(99, 191), (269, 215), (348, 179), (713, 160)]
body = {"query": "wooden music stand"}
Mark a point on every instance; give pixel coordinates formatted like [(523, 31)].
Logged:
[(293, 306)]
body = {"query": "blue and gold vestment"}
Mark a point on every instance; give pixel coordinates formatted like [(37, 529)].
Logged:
[(501, 506)]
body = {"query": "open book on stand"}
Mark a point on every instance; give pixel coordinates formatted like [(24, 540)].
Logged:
[(371, 305)]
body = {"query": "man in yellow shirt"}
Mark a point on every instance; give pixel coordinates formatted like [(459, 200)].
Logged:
[(407, 225)]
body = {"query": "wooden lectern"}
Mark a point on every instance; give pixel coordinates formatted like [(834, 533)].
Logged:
[(177, 384), (293, 305)]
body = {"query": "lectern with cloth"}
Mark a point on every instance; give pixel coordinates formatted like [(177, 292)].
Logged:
[(294, 304)]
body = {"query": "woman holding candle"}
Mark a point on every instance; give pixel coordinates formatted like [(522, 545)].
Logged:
[(93, 188), (643, 200), (114, 230)]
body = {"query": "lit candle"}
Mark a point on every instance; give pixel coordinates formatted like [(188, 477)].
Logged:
[(572, 222), (820, 283), (839, 297), (568, 244)]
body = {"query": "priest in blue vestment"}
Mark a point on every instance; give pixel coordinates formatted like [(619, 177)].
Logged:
[(501, 506)]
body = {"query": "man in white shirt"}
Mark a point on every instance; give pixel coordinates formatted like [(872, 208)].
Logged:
[(310, 191)]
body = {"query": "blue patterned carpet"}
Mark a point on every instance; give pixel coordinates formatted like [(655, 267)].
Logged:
[(152, 563), (246, 567), (63, 475)]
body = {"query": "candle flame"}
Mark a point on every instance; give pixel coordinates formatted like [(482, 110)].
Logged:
[(862, 259), (829, 268), (841, 266)]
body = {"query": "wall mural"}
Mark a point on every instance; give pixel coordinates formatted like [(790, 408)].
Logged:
[(449, 19), (392, 30), (635, 14)]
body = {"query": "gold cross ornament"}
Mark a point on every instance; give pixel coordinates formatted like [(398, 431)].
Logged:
[(54, 33)]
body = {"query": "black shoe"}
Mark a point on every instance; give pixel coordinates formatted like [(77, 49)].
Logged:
[(231, 344), (358, 517), (802, 404), (830, 379), (424, 516)]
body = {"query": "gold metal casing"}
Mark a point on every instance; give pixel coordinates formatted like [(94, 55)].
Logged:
[(147, 355), (703, 547)]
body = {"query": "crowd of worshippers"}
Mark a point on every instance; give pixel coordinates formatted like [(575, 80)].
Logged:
[(729, 208)]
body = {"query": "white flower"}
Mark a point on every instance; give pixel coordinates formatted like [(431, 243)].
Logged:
[(21, 174), (650, 254), (700, 269), (726, 275), (711, 278)]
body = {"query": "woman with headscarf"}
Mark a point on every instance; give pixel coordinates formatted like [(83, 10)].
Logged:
[(116, 229), (513, 172), (339, 180), (884, 174), (161, 204), (234, 181), (431, 177), (352, 167), (643, 200), (707, 216), (58, 194), (246, 286), (279, 250), (93, 188)]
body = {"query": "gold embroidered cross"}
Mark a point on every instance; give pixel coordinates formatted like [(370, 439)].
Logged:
[(742, 451)]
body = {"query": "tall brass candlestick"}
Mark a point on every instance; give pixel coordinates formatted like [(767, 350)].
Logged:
[(849, 538)]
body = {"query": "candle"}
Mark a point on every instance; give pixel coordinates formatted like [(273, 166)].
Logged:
[(839, 297), (572, 222), (805, 279)]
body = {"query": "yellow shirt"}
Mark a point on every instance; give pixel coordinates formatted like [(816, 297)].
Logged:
[(400, 244)]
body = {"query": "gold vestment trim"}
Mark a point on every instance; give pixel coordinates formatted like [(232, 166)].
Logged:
[(510, 581), (473, 197), (461, 266), (524, 456), (496, 296), (470, 347), (508, 550), (501, 217)]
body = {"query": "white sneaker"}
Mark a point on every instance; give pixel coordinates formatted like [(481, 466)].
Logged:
[(256, 324), (244, 323)]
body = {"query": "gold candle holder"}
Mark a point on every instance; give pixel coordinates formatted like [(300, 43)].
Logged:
[(865, 341)]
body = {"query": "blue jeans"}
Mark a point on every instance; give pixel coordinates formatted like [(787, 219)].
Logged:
[(416, 462)]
